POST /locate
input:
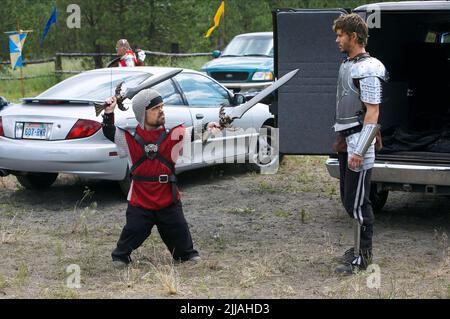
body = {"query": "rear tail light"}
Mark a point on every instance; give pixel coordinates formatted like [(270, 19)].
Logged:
[(2, 133), (83, 128)]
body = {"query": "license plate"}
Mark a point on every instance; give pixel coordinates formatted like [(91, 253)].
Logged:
[(35, 131)]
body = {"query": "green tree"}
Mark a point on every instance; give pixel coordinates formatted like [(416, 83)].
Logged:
[(151, 24)]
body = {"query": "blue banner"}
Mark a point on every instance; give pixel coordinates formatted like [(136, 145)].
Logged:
[(50, 22)]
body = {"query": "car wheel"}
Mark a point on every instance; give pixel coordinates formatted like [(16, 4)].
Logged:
[(37, 181), (378, 198), (264, 157)]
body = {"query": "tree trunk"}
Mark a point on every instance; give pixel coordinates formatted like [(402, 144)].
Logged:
[(98, 59)]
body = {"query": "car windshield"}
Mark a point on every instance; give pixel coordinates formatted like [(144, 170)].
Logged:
[(97, 86), (250, 46)]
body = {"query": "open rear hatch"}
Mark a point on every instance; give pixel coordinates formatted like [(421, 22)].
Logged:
[(415, 113), (414, 44)]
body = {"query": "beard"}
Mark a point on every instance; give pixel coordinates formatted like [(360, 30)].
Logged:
[(344, 48), (161, 120)]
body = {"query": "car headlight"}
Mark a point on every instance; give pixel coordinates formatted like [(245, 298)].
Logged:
[(262, 76)]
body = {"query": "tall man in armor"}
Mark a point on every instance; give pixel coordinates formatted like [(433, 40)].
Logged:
[(358, 98)]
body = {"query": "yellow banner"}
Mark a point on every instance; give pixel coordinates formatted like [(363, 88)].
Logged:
[(219, 13)]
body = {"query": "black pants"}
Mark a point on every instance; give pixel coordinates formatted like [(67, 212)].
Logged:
[(355, 191), (172, 227)]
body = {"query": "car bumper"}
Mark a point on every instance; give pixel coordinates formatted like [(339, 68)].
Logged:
[(247, 86), (400, 173), (86, 159)]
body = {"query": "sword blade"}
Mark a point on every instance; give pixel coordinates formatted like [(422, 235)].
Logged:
[(129, 93), (238, 111)]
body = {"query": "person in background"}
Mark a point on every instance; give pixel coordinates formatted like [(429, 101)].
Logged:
[(140, 55), (126, 54)]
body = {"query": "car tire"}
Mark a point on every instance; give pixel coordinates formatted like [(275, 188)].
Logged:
[(264, 162), (378, 198), (37, 181)]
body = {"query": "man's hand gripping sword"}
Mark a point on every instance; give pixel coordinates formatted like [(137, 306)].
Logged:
[(129, 93), (228, 115)]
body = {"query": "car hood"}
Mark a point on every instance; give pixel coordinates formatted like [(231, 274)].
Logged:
[(239, 63)]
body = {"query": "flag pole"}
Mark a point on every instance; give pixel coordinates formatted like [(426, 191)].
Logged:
[(22, 84), (223, 28)]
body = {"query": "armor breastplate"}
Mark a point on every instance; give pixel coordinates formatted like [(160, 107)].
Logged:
[(348, 103)]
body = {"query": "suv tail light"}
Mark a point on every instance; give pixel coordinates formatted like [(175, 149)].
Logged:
[(83, 128), (2, 133)]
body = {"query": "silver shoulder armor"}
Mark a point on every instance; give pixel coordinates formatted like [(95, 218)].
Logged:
[(125, 128), (369, 67), (173, 125)]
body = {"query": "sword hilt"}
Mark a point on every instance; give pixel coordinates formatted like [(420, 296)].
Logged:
[(224, 119), (99, 107), (120, 97)]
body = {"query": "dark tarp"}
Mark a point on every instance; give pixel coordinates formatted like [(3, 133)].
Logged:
[(400, 140)]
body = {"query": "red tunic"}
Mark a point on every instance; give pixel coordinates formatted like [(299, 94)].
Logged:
[(129, 59), (154, 195)]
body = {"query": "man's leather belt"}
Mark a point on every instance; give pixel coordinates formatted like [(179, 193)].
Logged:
[(351, 131)]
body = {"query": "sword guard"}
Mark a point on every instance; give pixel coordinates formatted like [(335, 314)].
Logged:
[(118, 91), (224, 119), (120, 97)]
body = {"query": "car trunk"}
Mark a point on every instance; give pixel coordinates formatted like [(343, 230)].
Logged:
[(58, 118), (415, 113)]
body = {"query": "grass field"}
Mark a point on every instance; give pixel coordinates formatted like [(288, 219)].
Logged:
[(260, 236), (45, 73)]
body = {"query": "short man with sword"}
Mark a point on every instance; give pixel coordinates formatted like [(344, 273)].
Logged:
[(153, 198), (152, 152)]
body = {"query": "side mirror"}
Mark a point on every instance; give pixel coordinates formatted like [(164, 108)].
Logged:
[(238, 99), (216, 54), (3, 102)]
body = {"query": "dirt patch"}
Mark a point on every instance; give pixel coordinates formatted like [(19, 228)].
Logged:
[(260, 236)]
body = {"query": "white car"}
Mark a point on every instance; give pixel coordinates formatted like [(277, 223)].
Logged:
[(58, 132)]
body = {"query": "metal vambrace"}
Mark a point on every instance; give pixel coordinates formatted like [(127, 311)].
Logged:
[(368, 133)]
